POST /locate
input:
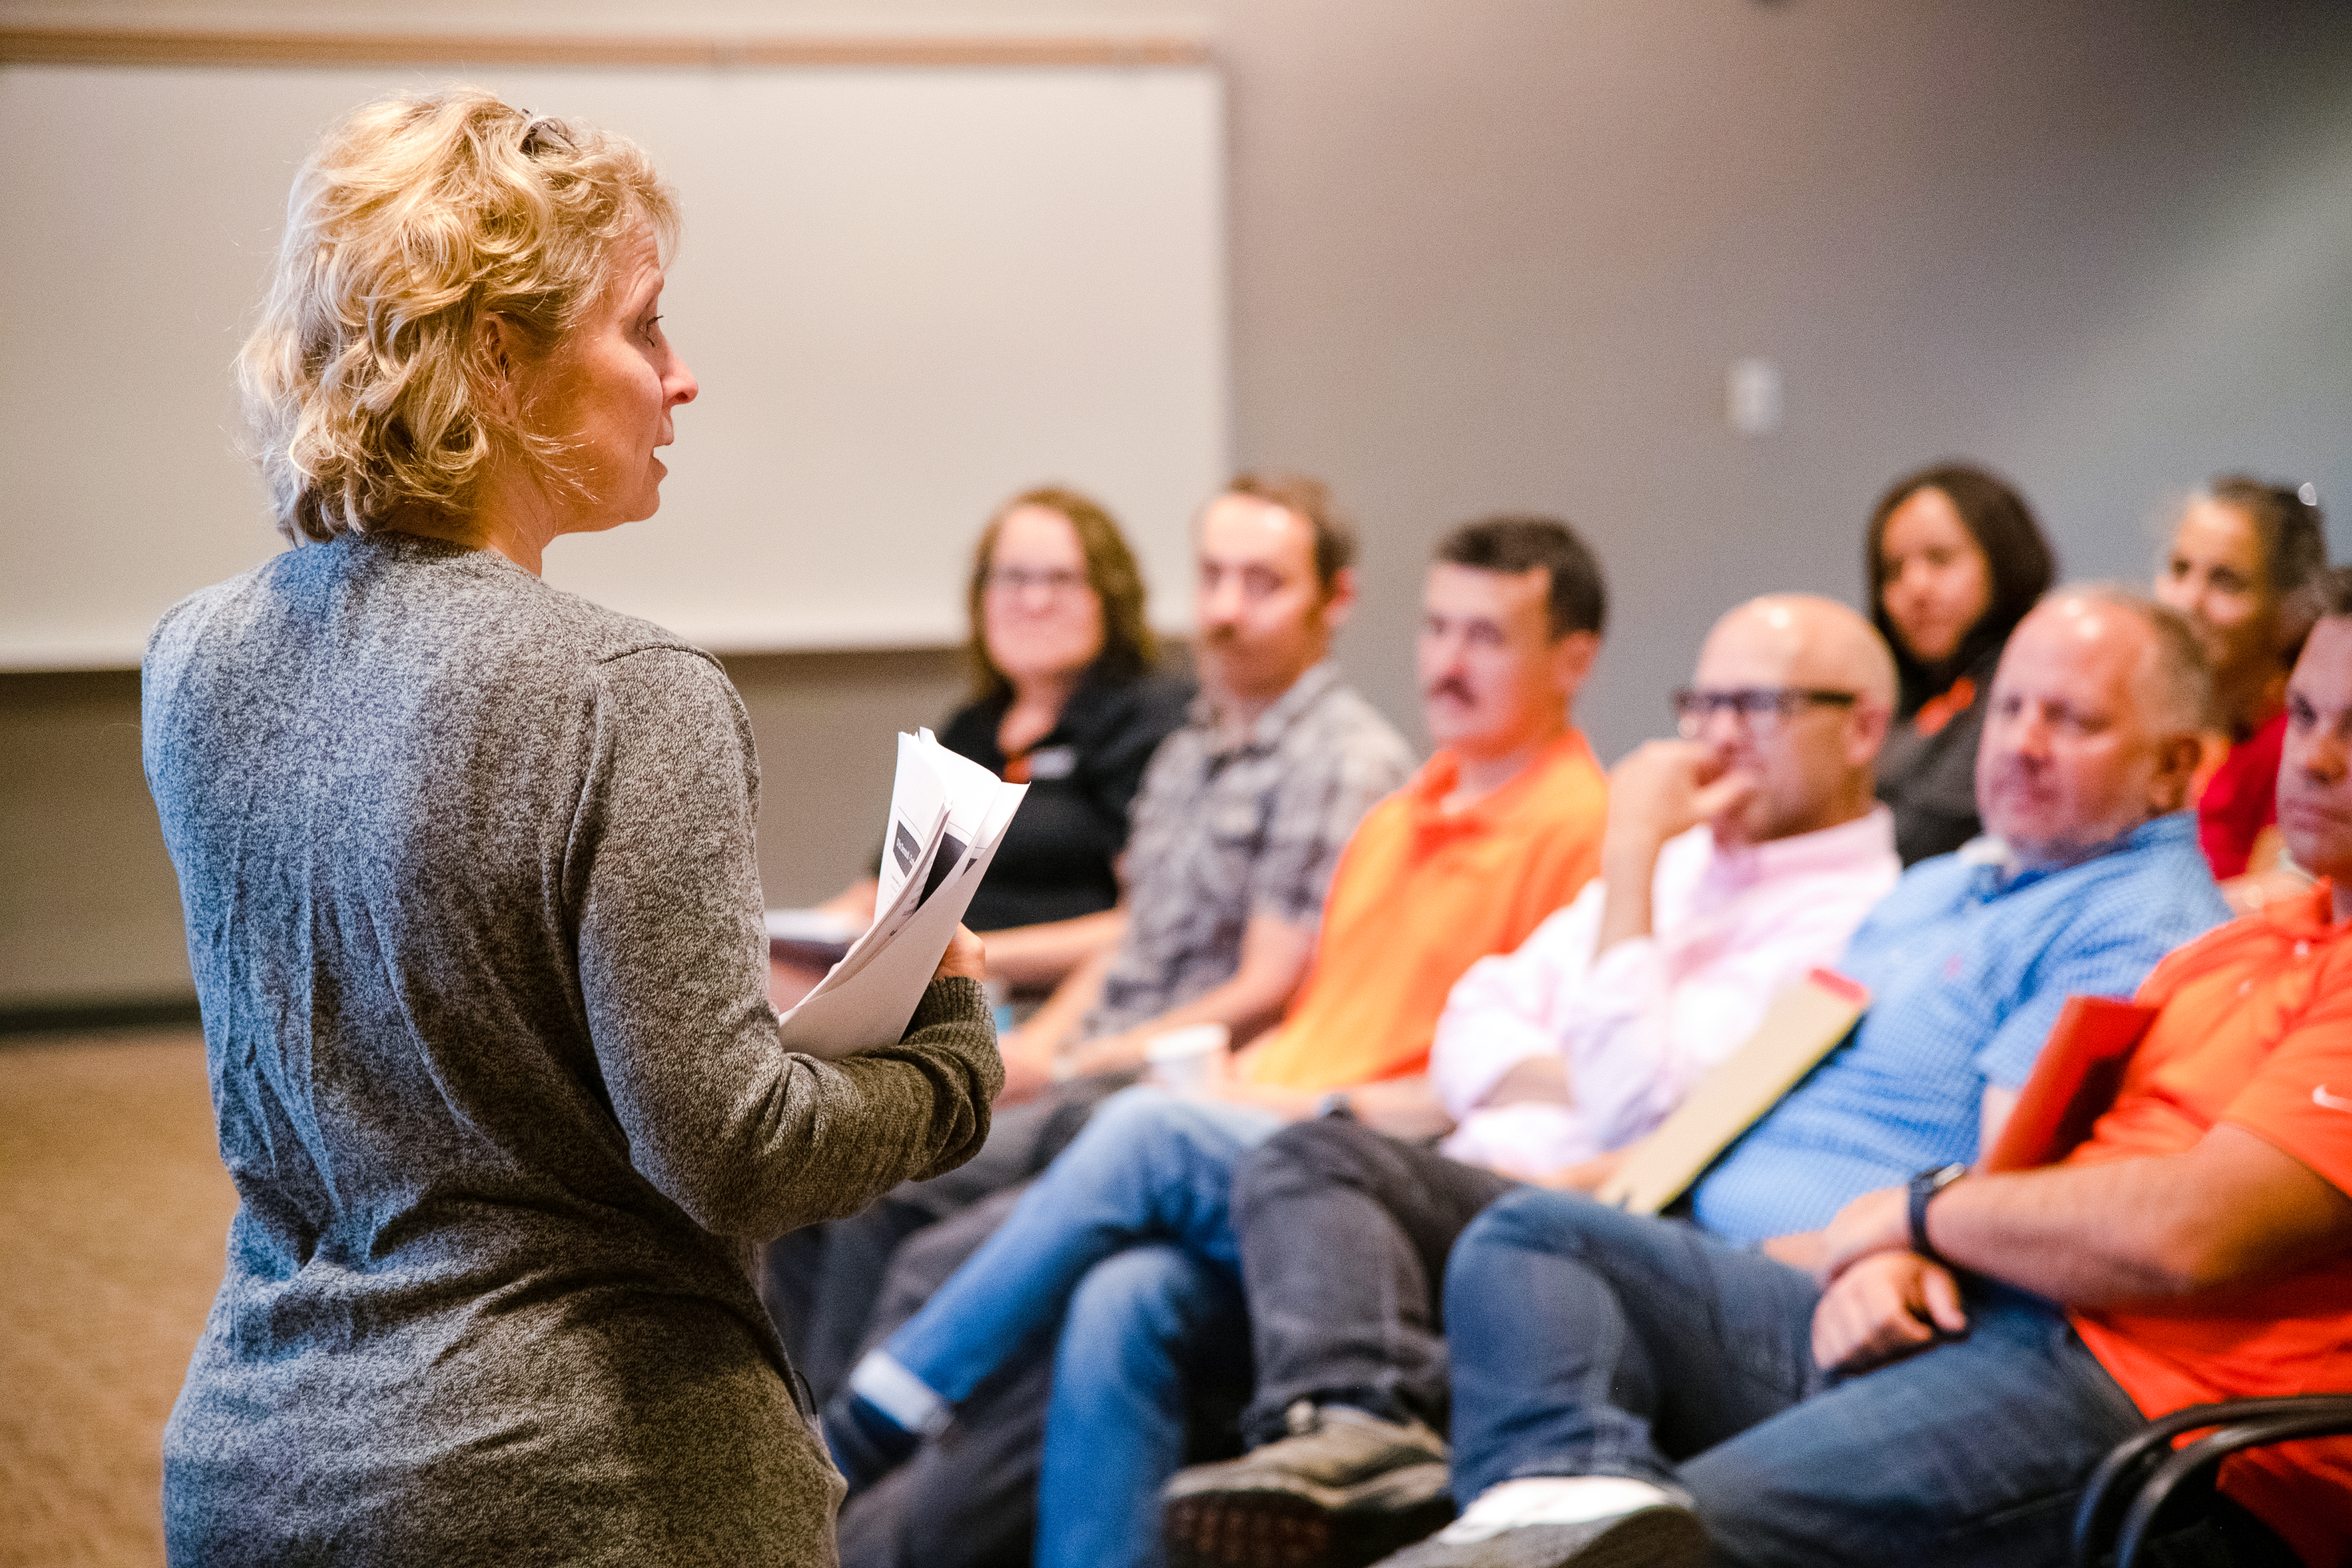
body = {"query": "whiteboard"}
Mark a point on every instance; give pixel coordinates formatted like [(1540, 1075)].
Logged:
[(908, 292)]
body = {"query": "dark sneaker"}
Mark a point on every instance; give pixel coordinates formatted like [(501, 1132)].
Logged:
[(1567, 1523), (1343, 1490)]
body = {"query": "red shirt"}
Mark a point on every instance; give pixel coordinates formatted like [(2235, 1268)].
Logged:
[(2240, 800), (2256, 1030)]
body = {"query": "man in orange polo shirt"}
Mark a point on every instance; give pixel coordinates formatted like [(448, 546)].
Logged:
[(1498, 829), (1984, 1340), (1125, 1233)]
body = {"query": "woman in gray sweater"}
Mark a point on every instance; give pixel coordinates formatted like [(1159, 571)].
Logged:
[(468, 869)]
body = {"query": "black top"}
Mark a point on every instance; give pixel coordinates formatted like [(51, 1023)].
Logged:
[(1929, 782), (1057, 861)]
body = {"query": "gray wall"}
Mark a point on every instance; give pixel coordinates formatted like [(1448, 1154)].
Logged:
[(1498, 253)]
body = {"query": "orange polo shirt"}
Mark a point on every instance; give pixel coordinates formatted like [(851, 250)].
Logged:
[(2256, 1030), (1419, 895)]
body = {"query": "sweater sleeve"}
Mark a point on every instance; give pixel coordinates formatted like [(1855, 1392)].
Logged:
[(747, 1139)]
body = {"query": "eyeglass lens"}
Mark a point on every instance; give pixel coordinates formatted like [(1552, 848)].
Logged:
[(1013, 579)]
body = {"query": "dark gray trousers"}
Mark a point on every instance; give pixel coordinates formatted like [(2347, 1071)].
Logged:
[(1344, 1236)]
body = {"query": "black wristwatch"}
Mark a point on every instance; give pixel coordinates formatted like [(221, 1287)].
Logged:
[(1924, 1186)]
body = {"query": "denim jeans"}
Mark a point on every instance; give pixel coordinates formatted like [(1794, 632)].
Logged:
[(1153, 1333), (823, 1283), (1152, 1173), (1344, 1237), (1588, 1342)]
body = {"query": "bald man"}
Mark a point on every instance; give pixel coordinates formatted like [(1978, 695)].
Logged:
[(1737, 859), (2089, 745)]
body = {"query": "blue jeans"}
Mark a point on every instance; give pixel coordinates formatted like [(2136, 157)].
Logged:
[(1653, 1351), (1127, 1238)]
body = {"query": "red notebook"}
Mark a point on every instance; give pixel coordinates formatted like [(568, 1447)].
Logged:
[(2081, 1067)]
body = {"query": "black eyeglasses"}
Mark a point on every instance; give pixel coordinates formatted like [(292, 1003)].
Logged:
[(1754, 706)]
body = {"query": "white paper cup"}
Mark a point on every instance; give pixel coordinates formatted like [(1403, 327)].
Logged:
[(1188, 1058)]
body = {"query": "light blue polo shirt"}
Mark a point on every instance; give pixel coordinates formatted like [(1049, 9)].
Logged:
[(1968, 967)]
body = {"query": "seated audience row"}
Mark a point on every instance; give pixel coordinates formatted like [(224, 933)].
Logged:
[(1069, 696), (1955, 1356), (1125, 1293), (2089, 744), (1502, 827), (1240, 817)]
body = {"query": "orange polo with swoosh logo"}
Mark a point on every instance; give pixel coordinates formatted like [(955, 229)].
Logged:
[(2256, 1030), (1419, 895)]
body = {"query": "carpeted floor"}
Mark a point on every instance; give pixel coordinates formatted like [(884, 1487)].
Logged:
[(113, 1211)]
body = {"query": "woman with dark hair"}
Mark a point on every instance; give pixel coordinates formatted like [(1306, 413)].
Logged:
[(1955, 558), (2243, 554)]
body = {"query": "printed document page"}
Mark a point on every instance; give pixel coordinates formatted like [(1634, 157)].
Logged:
[(948, 815)]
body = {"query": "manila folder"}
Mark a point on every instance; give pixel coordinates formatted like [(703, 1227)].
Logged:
[(1798, 1029)]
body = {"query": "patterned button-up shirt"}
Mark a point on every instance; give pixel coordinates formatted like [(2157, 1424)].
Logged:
[(1226, 830)]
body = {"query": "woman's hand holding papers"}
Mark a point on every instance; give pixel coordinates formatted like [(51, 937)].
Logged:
[(966, 956)]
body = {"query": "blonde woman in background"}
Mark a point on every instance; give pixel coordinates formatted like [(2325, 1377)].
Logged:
[(475, 921)]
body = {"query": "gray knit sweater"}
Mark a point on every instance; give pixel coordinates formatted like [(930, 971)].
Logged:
[(468, 869)]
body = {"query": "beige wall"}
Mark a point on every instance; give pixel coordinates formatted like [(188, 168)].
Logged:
[(1498, 253), (89, 912), (824, 723)]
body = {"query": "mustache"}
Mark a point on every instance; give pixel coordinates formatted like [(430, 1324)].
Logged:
[(1452, 686)]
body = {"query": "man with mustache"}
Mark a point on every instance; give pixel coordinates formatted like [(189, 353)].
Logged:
[(1686, 1396), (1124, 1231), (1242, 815)]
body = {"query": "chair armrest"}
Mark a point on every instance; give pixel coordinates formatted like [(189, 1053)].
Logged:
[(2121, 1500)]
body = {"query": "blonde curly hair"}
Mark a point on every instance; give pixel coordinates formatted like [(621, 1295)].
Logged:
[(417, 218)]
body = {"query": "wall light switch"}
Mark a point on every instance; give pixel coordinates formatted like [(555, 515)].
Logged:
[(1751, 396)]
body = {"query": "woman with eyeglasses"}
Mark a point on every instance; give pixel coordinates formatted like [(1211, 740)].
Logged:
[(2239, 554), (1067, 698), (1955, 558)]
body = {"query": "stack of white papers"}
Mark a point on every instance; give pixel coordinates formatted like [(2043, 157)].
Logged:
[(948, 813)]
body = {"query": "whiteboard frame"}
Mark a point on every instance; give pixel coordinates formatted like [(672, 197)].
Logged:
[(262, 48)]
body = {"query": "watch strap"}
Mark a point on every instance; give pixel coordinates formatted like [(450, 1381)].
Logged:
[(1924, 1188)]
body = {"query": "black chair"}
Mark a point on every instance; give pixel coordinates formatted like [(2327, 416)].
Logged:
[(2135, 1482)]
